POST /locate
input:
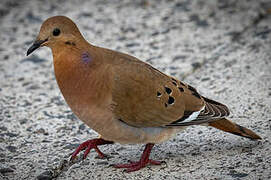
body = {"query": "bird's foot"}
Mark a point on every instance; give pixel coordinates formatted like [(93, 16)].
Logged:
[(134, 166), (144, 161), (88, 145)]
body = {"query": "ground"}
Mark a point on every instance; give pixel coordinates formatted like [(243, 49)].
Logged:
[(220, 47)]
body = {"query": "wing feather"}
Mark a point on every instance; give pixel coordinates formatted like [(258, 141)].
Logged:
[(145, 97), (212, 111)]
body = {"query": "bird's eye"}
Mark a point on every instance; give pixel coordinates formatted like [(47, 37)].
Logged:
[(56, 32)]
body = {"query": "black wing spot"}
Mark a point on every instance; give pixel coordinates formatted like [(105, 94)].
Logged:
[(196, 94), (159, 94), (168, 90), (174, 79), (192, 88), (181, 89), (171, 100), (165, 104), (175, 84), (182, 83)]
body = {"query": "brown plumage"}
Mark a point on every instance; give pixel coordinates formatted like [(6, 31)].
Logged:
[(122, 98), (231, 127)]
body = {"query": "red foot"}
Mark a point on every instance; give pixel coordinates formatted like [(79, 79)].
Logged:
[(90, 144), (144, 160)]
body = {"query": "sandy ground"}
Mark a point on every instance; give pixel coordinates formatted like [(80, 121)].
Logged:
[(220, 47)]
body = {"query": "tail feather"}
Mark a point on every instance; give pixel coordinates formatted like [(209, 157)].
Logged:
[(231, 127)]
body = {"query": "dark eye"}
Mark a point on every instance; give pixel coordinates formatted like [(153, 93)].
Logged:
[(56, 32)]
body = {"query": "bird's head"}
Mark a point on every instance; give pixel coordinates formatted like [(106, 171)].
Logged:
[(55, 32)]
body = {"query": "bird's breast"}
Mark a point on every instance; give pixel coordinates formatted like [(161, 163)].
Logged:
[(85, 88)]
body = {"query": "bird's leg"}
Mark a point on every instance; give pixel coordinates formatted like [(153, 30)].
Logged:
[(144, 160), (91, 144)]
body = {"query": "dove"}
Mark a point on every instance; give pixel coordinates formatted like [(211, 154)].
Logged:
[(123, 99)]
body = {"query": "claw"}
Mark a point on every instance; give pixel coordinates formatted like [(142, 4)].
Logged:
[(134, 166), (129, 167), (88, 145), (144, 161)]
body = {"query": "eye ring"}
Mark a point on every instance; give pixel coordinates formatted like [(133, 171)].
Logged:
[(56, 32)]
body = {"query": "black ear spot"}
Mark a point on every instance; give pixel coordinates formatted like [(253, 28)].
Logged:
[(168, 90), (70, 43), (171, 100), (159, 94), (181, 89), (56, 32)]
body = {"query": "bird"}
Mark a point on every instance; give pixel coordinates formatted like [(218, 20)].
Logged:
[(122, 98)]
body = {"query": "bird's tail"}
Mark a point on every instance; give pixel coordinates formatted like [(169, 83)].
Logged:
[(228, 126)]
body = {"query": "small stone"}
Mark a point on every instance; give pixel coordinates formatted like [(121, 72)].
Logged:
[(3, 128), (23, 121), (132, 44), (41, 131), (11, 148), (179, 57), (5, 170), (46, 175), (205, 79), (11, 134), (196, 65), (198, 21), (82, 127), (71, 146), (6, 57), (236, 174)]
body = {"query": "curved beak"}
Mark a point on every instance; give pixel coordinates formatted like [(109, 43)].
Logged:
[(35, 46)]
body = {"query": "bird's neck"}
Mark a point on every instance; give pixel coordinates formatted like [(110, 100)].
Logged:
[(69, 45), (81, 77)]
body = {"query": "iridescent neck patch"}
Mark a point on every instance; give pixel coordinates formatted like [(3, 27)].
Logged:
[(86, 58)]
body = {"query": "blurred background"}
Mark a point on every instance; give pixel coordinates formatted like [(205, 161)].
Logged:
[(220, 47)]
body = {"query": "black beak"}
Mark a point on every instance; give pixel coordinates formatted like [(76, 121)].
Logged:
[(35, 46)]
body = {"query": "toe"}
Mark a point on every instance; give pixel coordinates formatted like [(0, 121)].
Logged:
[(129, 165), (154, 162)]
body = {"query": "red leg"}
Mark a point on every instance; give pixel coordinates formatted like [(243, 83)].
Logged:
[(90, 144), (144, 160)]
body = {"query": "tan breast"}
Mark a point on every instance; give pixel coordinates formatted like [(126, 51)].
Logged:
[(82, 85)]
